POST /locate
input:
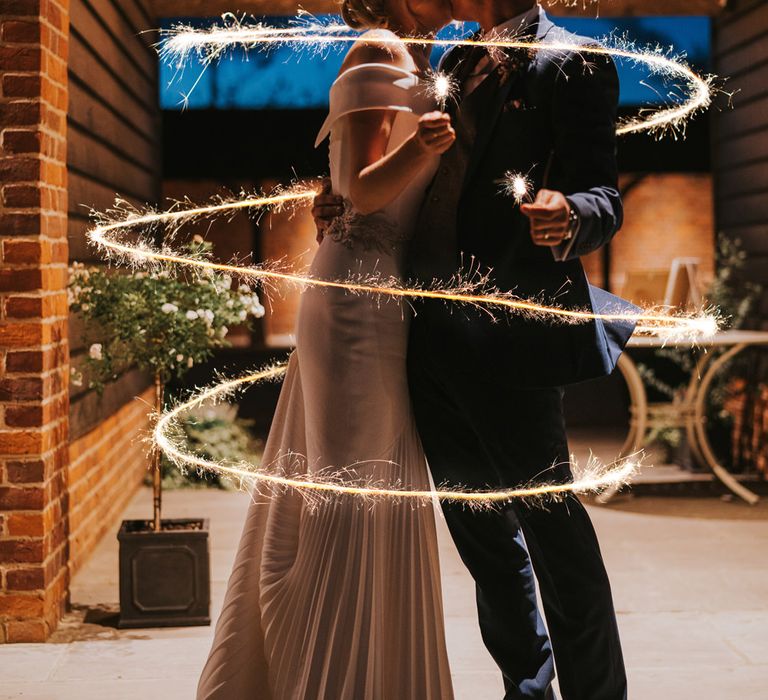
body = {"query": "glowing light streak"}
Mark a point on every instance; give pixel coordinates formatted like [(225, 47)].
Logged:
[(209, 44), (593, 480), (670, 326)]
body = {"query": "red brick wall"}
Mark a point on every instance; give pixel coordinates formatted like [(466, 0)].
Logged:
[(666, 216), (105, 467), (33, 308)]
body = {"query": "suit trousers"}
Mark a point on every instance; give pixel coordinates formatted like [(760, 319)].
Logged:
[(479, 433)]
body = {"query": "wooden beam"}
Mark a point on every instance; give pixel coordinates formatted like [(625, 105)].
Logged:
[(586, 8)]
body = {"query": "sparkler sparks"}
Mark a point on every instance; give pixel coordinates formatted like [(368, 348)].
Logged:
[(517, 186), (210, 44), (313, 487), (670, 326), (443, 86)]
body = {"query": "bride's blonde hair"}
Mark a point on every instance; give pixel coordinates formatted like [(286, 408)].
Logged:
[(365, 14)]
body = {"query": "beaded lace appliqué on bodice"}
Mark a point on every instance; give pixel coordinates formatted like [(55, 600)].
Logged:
[(376, 231)]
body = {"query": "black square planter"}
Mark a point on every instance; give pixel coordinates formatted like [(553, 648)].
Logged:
[(165, 577)]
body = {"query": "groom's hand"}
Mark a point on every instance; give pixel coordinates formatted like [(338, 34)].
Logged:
[(549, 215), (326, 206)]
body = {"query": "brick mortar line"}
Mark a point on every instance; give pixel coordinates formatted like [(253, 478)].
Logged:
[(118, 446), (112, 515), (42, 348), (88, 453), (31, 99), (112, 476), (37, 19), (94, 446)]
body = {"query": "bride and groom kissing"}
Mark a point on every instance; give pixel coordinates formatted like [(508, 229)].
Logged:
[(342, 601)]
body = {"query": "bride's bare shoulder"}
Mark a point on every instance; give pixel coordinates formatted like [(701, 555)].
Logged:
[(378, 46)]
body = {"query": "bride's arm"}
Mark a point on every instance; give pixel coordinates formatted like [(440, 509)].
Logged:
[(378, 178)]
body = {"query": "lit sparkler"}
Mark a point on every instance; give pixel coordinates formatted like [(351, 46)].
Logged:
[(210, 44), (443, 86), (593, 479), (517, 186)]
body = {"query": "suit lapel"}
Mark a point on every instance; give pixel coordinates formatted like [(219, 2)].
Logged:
[(489, 113)]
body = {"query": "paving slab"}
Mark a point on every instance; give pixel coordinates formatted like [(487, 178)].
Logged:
[(689, 580)]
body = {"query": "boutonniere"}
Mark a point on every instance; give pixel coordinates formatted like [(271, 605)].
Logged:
[(517, 104)]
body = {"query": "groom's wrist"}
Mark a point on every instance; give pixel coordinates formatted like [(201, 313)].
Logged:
[(574, 221), (563, 250)]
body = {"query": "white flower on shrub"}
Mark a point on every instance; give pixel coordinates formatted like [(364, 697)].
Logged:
[(257, 309), (224, 283), (95, 352), (179, 357), (191, 315), (75, 377), (243, 315), (169, 308), (223, 331)]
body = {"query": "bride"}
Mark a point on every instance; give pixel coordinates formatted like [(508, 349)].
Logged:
[(340, 599)]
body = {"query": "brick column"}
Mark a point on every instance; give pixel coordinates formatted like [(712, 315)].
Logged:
[(34, 362)]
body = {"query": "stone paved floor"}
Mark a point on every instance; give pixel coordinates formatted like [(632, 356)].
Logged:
[(690, 582)]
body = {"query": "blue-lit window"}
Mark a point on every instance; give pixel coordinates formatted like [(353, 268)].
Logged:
[(284, 79)]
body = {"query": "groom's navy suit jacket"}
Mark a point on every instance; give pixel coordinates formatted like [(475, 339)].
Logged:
[(555, 120)]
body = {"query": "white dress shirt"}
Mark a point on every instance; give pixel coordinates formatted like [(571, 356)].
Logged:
[(510, 27)]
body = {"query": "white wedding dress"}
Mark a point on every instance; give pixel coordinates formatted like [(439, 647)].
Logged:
[(341, 599)]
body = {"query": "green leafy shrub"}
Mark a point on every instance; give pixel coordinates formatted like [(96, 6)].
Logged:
[(160, 322), (215, 434)]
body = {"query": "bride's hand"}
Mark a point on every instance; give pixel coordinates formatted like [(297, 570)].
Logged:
[(326, 206), (434, 134)]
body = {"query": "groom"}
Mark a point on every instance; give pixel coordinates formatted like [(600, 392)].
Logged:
[(487, 394)]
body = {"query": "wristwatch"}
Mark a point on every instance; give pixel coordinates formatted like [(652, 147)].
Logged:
[(573, 223)]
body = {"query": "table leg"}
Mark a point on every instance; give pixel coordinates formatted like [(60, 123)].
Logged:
[(689, 407), (638, 415), (697, 427)]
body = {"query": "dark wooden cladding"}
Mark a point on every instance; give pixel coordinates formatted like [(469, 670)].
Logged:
[(740, 137), (113, 147), (113, 138)]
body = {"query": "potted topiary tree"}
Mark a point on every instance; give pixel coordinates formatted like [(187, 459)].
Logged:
[(163, 324)]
